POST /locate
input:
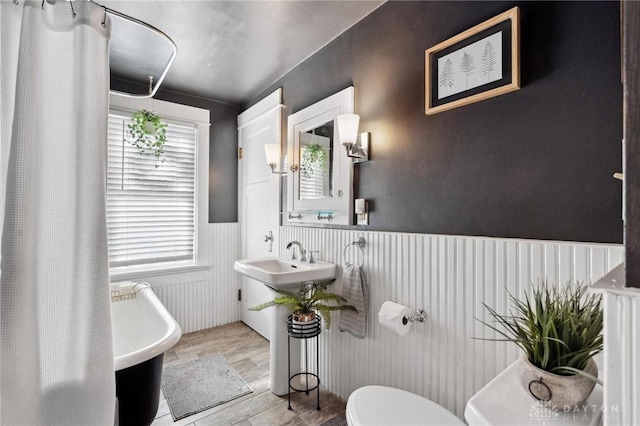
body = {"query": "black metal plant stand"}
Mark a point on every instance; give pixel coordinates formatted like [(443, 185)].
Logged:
[(304, 331)]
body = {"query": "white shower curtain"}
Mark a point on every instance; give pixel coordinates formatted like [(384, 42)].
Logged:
[(56, 355)]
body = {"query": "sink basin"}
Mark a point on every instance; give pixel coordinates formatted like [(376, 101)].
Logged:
[(283, 273)]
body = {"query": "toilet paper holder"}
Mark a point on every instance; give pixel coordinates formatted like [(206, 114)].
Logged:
[(420, 315)]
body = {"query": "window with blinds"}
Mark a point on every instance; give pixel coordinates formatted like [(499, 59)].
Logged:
[(150, 210)]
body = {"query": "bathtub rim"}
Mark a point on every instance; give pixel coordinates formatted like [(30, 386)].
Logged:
[(169, 338)]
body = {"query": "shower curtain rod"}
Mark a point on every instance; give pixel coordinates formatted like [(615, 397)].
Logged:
[(143, 24)]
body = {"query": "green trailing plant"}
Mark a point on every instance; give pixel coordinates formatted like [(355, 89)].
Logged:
[(559, 330), (148, 133), (314, 156), (310, 297)]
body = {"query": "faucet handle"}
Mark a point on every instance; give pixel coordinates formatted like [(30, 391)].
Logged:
[(311, 258)]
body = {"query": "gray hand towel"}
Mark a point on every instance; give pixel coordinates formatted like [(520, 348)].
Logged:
[(355, 290)]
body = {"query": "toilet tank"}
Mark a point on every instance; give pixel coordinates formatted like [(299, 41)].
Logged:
[(503, 401)]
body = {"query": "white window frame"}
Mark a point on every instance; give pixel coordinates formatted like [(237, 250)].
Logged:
[(200, 118)]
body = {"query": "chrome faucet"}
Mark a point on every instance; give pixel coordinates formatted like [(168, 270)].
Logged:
[(303, 252)]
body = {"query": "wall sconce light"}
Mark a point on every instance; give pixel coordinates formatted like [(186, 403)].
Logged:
[(362, 211), (272, 152), (357, 145)]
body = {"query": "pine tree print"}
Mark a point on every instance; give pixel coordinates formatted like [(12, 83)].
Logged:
[(488, 60), (467, 66), (447, 77)]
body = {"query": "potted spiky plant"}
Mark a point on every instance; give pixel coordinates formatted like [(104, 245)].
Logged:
[(310, 298), (559, 330)]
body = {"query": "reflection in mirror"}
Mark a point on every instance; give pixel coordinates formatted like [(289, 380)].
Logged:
[(316, 165)]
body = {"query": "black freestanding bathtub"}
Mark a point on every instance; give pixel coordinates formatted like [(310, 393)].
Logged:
[(143, 330)]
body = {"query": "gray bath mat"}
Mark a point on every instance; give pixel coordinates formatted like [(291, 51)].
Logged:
[(199, 384), (339, 420)]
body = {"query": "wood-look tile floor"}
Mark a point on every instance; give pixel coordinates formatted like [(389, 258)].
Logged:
[(248, 353)]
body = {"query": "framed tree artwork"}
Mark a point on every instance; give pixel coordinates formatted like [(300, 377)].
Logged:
[(480, 63)]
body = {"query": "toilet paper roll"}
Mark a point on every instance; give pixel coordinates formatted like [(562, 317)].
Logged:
[(391, 316)]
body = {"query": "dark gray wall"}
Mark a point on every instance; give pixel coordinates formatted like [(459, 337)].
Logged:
[(535, 163), (632, 142), (223, 143)]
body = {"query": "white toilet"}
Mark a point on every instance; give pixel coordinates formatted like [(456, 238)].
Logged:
[(501, 402), (386, 406)]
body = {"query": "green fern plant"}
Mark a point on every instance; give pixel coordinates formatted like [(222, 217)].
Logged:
[(148, 133), (311, 297), (558, 329)]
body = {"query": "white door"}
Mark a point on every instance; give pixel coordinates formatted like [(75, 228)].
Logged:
[(259, 202)]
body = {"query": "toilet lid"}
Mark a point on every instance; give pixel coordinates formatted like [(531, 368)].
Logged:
[(385, 406)]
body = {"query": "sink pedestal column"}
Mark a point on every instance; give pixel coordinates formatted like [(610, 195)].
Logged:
[(278, 372)]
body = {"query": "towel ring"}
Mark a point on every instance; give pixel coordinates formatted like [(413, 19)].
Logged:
[(358, 243)]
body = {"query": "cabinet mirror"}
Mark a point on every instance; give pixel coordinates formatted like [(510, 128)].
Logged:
[(320, 176)]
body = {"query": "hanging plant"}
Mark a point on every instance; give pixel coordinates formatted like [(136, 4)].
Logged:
[(148, 133), (313, 158)]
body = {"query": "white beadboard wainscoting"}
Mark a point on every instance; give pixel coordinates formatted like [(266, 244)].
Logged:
[(213, 301), (448, 277), (207, 296), (622, 346)]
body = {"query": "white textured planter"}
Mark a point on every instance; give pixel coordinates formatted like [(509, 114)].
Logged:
[(553, 389)]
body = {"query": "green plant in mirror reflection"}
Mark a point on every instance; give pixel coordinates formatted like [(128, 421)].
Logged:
[(314, 160)]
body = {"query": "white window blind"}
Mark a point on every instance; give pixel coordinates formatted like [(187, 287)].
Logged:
[(150, 210)]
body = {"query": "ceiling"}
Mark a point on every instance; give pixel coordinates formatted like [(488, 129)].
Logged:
[(228, 51)]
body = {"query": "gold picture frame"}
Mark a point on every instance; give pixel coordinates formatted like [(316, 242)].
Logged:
[(458, 71)]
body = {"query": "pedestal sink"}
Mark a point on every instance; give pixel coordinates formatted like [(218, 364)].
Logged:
[(278, 273), (284, 273)]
